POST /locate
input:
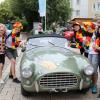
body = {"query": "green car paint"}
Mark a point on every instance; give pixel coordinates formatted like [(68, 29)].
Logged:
[(53, 60)]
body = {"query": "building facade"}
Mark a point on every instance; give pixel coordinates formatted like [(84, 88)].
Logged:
[(94, 8), (79, 8), (85, 8)]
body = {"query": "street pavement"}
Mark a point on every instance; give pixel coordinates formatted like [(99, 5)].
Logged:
[(5, 73), (12, 91)]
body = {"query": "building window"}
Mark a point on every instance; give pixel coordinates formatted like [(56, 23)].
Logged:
[(96, 6), (77, 12), (78, 2)]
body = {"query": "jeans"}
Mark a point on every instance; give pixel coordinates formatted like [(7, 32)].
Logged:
[(93, 58)]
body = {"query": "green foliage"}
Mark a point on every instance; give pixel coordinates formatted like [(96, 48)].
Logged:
[(5, 12), (57, 11), (28, 8)]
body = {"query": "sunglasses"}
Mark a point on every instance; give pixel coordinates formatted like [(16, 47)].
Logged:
[(2, 31)]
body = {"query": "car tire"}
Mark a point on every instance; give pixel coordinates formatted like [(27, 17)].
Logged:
[(24, 92), (85, 90)]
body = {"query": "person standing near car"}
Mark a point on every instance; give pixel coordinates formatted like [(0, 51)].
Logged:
[(2, 49), (98, 36), (89, 29), (94, 58), (12, 42), (98, 49), (40, 28), (54, 26), (78, 36)]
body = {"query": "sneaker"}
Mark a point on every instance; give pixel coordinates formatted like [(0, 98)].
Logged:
[(11, 76), (94, 89), (1, 81), (98, 96), (16, 80)]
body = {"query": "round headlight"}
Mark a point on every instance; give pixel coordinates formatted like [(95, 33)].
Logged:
[(26, 72), (89, 70)]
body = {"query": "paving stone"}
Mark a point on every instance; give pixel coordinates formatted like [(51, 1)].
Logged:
[(12, 91)]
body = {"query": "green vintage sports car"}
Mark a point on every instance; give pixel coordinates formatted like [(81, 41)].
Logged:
[(49, 65)]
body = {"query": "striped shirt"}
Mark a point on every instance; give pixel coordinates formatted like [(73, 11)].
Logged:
[(2, 45)]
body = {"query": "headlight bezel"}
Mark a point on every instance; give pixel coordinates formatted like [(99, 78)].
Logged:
[(89, 70), (26, 72)]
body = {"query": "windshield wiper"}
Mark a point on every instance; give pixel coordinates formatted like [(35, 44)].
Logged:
[(51, 43), (59, 46), (55, 45), (35, 46)]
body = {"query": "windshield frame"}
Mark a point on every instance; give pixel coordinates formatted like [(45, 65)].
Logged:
[(44, 36)]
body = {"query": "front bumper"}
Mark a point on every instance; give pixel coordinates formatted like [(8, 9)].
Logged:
[(36, 87)]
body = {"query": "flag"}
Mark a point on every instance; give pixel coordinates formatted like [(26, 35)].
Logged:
[(42, 7)]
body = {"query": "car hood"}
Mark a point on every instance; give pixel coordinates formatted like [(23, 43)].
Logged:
[(56, 61)]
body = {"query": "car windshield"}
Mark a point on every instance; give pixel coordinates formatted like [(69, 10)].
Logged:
[(46, 42)]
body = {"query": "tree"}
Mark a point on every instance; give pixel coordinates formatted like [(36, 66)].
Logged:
[(57, 10), (26, 8), (5, 12)]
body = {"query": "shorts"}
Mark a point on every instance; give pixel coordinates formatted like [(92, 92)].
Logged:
[(11, 53), (93, 58), (2, 58)]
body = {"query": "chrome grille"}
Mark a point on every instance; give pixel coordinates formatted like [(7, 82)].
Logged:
[(58, 80)]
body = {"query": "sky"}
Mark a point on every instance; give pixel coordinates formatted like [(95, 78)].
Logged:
[(1, 1)]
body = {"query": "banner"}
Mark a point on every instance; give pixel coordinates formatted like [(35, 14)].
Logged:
[(42, 7)]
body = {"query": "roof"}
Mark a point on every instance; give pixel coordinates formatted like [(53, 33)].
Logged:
[(84, 19)]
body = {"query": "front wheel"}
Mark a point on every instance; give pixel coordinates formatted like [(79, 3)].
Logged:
[(24, 92), (85, 90)]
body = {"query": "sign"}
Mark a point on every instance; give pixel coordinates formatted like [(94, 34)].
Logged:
[(42, 7)]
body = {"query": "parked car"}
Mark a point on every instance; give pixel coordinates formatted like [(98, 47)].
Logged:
[(48, 65)]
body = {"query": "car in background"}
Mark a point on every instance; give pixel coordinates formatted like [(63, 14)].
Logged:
[(48, 65)]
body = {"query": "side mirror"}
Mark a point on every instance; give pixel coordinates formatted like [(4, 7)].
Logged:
[(23, 49), (73, 45)]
